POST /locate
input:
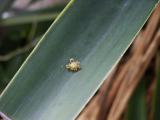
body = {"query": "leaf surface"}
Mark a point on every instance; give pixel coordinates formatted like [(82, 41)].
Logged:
[(95, 32)]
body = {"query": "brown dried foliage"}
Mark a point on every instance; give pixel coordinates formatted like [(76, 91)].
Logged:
[(112, 98)]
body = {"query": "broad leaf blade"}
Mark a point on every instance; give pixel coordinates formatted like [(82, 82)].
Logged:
[(96, 33)]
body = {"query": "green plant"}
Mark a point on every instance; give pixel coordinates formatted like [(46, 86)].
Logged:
[(97, 33)]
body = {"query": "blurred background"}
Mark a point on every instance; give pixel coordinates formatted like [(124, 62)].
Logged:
[(22, 23), (132, 91)]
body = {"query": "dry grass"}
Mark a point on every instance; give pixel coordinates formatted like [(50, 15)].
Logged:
[(112, 98)]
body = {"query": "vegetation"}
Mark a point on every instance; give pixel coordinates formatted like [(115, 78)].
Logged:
[(92, 38)]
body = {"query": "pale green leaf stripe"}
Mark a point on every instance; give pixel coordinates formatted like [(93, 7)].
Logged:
[(96, 32), (25, 17), (19, 20)]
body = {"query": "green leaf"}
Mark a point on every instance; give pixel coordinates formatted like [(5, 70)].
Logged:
[(8, 69), (95, 32), (156, 103), (137, 105), (13, 65)]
